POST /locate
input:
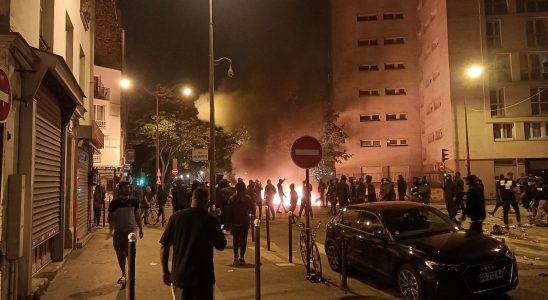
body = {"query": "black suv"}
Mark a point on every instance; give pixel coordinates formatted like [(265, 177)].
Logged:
[(421, 250)]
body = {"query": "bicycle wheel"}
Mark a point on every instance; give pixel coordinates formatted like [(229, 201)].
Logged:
[(316, 263), (153, 217), (302, 245)]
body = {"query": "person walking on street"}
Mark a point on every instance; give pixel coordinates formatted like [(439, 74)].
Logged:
[(353, 190), (269, 194), (509, 198), (370, 193), (258, 195), (475, 204), (424, 190), (541, 195), (281, 194), (498, 194), (449, 191), (239, 210), (192, 233), (179, 197), (332, 197), (161, 198), (322, 187), (98, 203), (360, 191), (387, 190), (293, 199), (402, 188), (343, 192), (146, 202), (123, 218), (459, 195), (306, 199)]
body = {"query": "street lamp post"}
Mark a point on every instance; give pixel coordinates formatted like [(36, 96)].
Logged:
[(212, 63), (472, 72)]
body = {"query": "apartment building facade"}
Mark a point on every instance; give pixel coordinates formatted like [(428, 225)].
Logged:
[(49, 137), (501, 114)]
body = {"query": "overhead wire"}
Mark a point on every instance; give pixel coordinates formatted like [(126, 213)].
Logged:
[(511, 105)]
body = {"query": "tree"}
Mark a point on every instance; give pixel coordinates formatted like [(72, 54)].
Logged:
[(332, 140), (180, 131)]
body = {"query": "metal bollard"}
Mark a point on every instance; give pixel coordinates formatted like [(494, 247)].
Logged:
[(268, 227), (132, 251), (104, 213), (290, 235), (344, 275), (252, 228), (257, 225)]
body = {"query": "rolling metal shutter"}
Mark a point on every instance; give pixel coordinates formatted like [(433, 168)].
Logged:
[(83, 194), (46, 205)]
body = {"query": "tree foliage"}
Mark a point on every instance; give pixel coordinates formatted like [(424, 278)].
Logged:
[(332, 140)]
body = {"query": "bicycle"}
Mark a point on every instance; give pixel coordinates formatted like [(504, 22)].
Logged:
[(315, 259), (151, 216)]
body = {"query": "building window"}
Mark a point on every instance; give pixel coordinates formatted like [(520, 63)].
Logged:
[(96, 158), (99, 115), (536, 130), (362, 68), (539, 100), (392, 16), (534, 66), (394, 91), (394, 41), (532, 6), (496, 99), (493, 34), (370, 143), (503, 131), (368, 118), (366, 18), (46, 25), (537, 32), (82, 69), (500, 68), (69, 42), (369, 42), (439, 134), (394, 66), (396, 117), (396, 142), (366, 93), (495, 7), (99, 89)]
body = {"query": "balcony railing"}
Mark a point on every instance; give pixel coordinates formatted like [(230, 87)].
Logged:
[(102, 92), (101, 123)]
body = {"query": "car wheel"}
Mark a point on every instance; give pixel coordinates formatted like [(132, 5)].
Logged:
[(409, 283), (333, 257)]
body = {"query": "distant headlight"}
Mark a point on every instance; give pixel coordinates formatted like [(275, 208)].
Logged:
[(509, 254), (434, 265)]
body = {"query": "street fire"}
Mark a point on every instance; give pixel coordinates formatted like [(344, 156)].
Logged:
[(315, 197)]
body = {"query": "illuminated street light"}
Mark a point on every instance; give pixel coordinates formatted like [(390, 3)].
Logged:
[(125, 83), (474, 71), (187, 91)]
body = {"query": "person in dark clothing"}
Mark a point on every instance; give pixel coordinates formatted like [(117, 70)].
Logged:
[(388, 193), (293, 199), (449, 191), (475, 204), (424, 190), (146, 202), (322, 187), (498, 194), (343, 192), (162, 200), (402, 188), (509, 198), (269, 193), (305, 200), (180, 199), (251, 194), (258, 195), (360, 191), (459, 195), (353, 190), (370, 193), (123, 218), (281, 194), (223, 193), (332, 197), (238, 212), (192, 233), (98, 203)]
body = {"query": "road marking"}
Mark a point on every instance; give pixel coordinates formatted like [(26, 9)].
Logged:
[(285, 265), (307, 152), (269, 256)]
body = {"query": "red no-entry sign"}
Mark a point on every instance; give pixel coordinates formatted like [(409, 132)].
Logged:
[(306, 152), (5, 96)]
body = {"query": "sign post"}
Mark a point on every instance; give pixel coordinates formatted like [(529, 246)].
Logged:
[(306, 153), (5, 96)]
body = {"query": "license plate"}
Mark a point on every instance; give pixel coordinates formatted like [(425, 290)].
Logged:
[(497, 274)]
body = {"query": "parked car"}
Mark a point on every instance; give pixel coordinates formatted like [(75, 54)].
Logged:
[(421, 250)]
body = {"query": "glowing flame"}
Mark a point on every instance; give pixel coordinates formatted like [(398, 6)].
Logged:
[(315, 198)]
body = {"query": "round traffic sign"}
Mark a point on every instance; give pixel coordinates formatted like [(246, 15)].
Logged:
[(5, 96), (306, 152), (174, 172)]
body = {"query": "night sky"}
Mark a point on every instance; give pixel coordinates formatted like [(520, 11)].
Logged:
[(280, 56)]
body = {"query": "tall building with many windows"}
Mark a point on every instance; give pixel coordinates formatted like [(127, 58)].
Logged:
[(490, 125)]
